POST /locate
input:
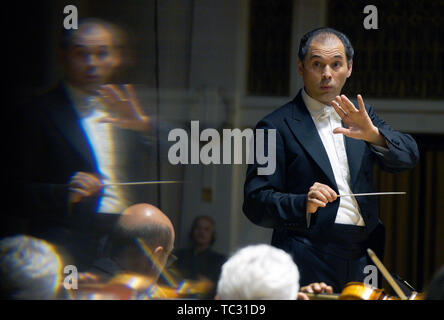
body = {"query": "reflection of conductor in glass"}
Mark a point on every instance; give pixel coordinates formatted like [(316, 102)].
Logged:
[(79, 136), (91, 56), (124, 111)]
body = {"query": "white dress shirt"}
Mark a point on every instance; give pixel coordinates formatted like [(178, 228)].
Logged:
[(326, 120), (102, 142)]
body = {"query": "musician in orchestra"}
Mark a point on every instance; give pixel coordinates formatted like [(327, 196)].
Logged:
[(263, 272), (326, 145), (83, 134), (30, 268), (200, 260), (141, 243)]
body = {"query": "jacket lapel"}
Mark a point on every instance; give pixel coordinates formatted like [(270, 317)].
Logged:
[(304, 130), (65, 119)]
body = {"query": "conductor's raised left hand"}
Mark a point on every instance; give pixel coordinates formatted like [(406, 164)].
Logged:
[(358, 123)]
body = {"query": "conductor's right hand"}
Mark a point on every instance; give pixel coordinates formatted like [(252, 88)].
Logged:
[(83, 185), (318, 196)]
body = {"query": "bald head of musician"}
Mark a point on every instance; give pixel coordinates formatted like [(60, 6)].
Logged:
[(142, 240)]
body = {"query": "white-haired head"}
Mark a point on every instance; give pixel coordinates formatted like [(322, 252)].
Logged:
[(259, 272), (29, 268)]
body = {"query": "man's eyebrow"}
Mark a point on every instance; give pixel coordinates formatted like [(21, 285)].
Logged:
[(104, 46), (315, 56)]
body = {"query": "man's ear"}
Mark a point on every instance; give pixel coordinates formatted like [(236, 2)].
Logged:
[(350, 67), (300, 67), (158, 250), (158, 255), (117, 59)]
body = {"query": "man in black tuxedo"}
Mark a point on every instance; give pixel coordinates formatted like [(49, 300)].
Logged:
[(74, 139), (326, 145)]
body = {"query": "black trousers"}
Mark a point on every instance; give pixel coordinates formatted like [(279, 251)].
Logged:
[(339, 259)]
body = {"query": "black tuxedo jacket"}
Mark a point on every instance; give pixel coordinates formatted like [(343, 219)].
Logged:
[(278, 200), (51, 147)]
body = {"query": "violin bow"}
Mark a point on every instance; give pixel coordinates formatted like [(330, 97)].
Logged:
[(386, 274)]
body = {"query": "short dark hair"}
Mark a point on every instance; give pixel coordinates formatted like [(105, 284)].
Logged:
[(116, 31), (309, 36)]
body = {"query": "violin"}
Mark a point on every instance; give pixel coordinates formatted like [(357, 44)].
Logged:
[(131, 286), (123, 286), (361, 291)]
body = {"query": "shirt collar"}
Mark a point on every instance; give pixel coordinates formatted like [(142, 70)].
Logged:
[(318, 109), (83, 102)]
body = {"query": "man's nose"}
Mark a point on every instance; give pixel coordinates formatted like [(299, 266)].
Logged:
[(326, 73), (91, 60)]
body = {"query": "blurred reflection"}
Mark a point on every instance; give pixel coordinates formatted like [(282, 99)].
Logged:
[(83, 134), (132, 286), (29, 269)]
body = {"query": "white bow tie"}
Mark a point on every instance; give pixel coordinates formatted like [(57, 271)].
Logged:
[(91, 104), (326, 113)]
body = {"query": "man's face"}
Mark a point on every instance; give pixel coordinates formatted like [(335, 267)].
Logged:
[(91, 57), (203, 232), (325, 69)]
